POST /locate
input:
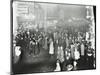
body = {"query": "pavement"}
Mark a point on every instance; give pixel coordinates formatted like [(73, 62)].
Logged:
[(41, 63), (35, 63)]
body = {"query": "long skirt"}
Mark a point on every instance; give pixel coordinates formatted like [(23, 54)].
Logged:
[(51, 48)]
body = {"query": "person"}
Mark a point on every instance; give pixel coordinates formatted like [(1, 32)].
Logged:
[(67, 41), (45, 43), (60, 56), (90, 58), (82, 56), (40, 39), (37, 50), (55, 36), (82, 50), (51, 48), (76, 52), (70, 40), (32, 47), (76, 57), (58, 68), (17, 56), (87, 36), (72, 51), (67, 61), (79, 37)]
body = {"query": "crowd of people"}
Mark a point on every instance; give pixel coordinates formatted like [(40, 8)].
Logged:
[(71, 49)]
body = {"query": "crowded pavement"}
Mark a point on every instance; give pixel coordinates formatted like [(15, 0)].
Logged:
[(54, 45)]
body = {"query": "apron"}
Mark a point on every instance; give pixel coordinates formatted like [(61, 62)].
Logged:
[(51, 48)]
